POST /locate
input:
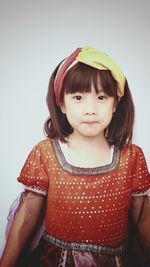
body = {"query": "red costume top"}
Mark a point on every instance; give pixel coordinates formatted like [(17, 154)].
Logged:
[(86, 205)]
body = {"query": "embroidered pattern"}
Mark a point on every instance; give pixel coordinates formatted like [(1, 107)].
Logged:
[(62, 260), (83, 246), (84, 171), (36, 190)]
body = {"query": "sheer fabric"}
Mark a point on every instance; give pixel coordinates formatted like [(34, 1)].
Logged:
[(89, 205)]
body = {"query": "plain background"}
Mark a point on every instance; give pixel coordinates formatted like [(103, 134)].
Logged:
[(34, 37)]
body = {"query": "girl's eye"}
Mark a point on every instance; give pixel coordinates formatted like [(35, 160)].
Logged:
[(77, 97), (101, 97)]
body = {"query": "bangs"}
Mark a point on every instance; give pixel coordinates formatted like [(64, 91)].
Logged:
[(81, 77)]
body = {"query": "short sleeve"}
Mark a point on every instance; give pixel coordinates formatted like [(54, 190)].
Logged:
[(140, 173), (34, 172)]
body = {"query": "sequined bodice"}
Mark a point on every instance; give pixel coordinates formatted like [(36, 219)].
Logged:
[(87, 205)]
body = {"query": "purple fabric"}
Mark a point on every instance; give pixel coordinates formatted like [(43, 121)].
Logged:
[(11, 214), (82, 259), (10, 218)]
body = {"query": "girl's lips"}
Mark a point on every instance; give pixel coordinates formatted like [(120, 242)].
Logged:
[(90, 122)]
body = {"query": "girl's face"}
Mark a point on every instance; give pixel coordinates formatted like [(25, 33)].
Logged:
[(89, 113)]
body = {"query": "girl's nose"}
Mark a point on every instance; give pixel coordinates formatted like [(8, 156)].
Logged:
[(90, 106)]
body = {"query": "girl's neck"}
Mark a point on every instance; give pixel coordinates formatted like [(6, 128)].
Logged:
[(88, 152), (77, 142)]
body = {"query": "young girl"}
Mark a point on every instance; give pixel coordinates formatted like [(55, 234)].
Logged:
[(86, 180)]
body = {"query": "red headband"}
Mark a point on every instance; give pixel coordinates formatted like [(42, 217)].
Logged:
[(61, 73)]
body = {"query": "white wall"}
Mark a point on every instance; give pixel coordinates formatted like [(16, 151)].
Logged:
[(37, 35)]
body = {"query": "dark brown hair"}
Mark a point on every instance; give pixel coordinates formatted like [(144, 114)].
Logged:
[(79, 79)]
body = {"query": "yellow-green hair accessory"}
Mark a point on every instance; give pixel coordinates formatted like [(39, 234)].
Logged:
[(100, 60), (94, 58)]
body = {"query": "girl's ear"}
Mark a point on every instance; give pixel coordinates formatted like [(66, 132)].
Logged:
[(62, 108)]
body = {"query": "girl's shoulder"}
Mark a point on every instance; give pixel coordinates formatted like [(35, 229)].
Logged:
[(134, 153), (132, 149), (43, 145), (40, 150)]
